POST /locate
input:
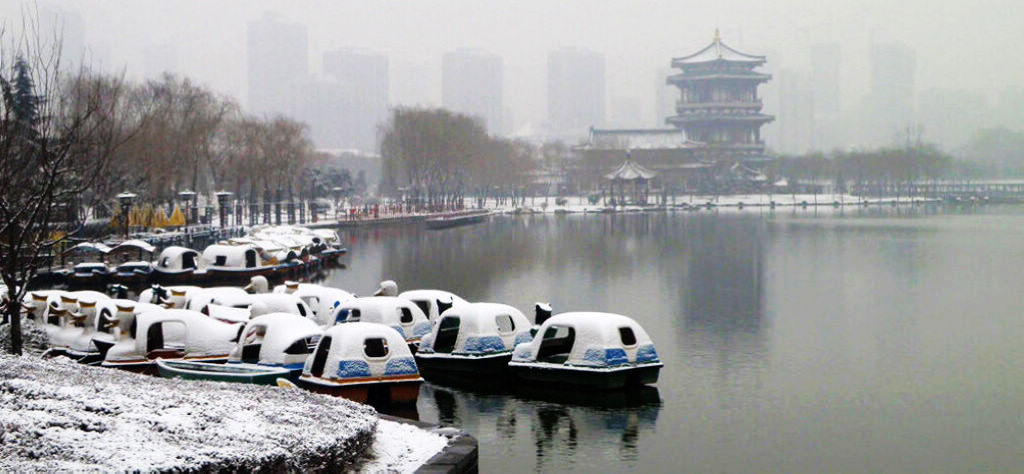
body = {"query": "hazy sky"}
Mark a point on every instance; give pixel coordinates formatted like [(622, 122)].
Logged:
[(959, 44)]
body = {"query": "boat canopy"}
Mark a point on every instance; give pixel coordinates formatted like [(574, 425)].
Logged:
[(232, 256), (177, 259), (477, 328), (399, 313), (360, 350), (134, 245), (278, 339), (588, 339), (433, 302), (324, 301), (195, 334), (88, 248)]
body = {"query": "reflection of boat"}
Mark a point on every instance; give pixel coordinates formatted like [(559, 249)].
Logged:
[(473, 338), (457, 219), (628, 397), (599, 350), (364, 362), (259, 375)]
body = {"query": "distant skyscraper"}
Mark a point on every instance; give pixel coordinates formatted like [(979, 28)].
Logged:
[(576, 91), (471, 83), (826, 128), (363, 79), (951, 117), (889, 106), (278, 65)]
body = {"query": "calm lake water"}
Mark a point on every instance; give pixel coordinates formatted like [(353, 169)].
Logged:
[(861, 340)]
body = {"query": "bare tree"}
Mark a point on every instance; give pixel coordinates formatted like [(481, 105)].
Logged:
[(57, 134)]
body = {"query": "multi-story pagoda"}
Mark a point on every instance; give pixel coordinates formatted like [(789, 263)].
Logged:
[(719, 105)]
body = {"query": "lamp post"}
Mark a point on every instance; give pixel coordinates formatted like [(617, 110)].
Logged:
[(337, 199), (187, 196), (222, 202), (125, 199)]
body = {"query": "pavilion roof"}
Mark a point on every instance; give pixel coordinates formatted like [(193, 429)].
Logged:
[(718, 51), (629, 171)]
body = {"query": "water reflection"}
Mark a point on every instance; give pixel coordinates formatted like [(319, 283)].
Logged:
[(556, 424)]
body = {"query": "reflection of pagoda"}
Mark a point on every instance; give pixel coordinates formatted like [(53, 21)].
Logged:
[(719, 104)]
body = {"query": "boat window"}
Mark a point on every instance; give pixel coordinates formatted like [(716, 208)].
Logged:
[(443, 306), (166, 336), (406, 315), (424, 305), (302, 309), (188, 260), (556, 344), (348, 315), (250, 258), (221, 260), (375, 347), (447, 334), (627, 336), (505, 323), (320, 359), (163, 263), (300, 346), (104, 320)]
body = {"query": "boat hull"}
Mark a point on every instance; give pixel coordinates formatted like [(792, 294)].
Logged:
[(235, 373), (602, 379), (171, 277), (431, 365), (131, 279), (376, 391)]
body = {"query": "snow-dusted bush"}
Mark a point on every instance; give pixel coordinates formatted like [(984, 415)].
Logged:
[(57, 415), (34, 338)]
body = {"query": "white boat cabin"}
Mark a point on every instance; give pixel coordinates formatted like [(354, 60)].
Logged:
[(233, 257), (324, 301), (588, 339), (131, 251), (433, 302), (177, 260), (174, 334), (398, 313), (477, 329), (359, 351), (277, 339)]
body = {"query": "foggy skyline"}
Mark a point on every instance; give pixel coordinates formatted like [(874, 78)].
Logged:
[(961, 50)]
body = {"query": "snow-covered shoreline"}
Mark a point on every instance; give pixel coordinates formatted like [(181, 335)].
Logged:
[(59, 415)]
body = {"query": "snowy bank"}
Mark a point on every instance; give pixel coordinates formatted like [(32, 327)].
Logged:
[(58, 415)]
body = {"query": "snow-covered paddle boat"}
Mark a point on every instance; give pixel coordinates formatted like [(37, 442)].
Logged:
[(176, 265), (235, 262), (473, 338), (171, 334), (597, 350), (399, 314), (433, 302), (324, 301), (88, 268), (364, 362)]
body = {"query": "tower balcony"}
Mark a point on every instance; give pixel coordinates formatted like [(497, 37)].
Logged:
[(685, 107), (707, 117)]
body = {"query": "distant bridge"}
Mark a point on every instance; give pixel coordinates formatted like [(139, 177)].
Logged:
[(991, 190)]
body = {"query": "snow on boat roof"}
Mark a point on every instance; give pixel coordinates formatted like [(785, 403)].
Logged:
[(596, 327), (135, 244), (479, 317), (432, 294), (377, 308), (175, 252), (204, 334), (88, 247), (281, 331), (347, 341)]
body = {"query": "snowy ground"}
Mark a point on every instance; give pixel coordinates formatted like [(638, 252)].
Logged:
[(399, 447), (57, 415)]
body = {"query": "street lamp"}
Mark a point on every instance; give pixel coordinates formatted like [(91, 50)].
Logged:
[(187, 196), (337, 199), (222, 201), (125, 199)]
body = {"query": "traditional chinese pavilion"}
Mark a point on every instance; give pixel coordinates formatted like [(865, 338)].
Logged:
[(719, 105)]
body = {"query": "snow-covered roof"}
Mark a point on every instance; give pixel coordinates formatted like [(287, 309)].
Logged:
[(718, 51), (203, 336), (279, 331), (479, 331), (134, 244), (88, 247), (594, 331), (232, 256), (323, 300), (629, 171), (171, 257), (389, 311), (347, 344), (638, 139)]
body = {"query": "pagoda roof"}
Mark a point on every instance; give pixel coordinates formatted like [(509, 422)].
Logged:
[(629, 171), (718, 51)]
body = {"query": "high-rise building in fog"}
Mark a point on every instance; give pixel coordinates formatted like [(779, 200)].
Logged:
[(576, 91), (471, 83), (796, 112), (362, 78), (824, 82), (889, 106), (951, 117), (278, 65)]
